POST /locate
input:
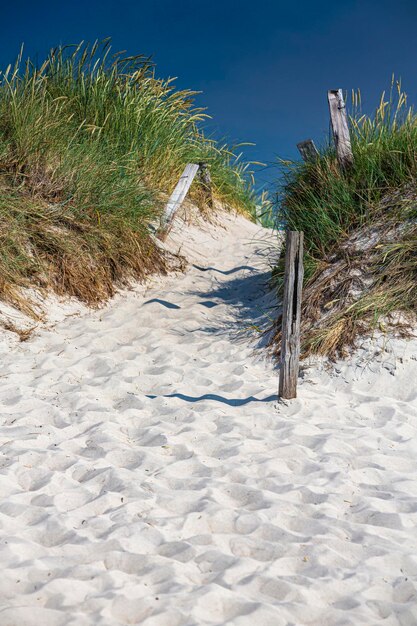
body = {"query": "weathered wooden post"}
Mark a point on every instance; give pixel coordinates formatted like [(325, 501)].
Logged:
[(308, 150), (291, 315), (340, 128), (206, 182), (177, 198)]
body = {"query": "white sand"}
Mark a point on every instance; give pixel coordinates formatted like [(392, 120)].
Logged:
[(149, 475)]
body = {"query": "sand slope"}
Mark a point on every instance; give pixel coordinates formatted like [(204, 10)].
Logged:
[(149, 475)]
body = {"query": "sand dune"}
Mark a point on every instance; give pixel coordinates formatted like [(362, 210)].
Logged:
[(149, 474)]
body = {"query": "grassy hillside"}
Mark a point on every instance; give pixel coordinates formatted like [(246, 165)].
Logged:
[(360, 229), (89, 144)]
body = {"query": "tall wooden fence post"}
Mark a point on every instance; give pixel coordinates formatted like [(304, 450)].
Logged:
[(291, 315), (340, 128), (308, 150), (177, 198), (206, 181)]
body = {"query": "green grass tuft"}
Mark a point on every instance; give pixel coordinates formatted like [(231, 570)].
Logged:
[(360, 227), (91, 144)]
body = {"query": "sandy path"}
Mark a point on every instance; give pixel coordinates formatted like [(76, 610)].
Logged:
[(149, 476)]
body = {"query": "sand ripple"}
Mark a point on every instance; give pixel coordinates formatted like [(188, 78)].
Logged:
[(149, 475)]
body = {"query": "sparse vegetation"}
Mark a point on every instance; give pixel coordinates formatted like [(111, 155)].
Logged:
[(360, 229), (90, 144)]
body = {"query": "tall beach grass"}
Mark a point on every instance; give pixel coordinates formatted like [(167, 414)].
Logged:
[(91, 143), (360, 227)]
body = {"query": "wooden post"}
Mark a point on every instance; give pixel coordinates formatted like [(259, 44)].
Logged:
[(340, 127), (177, 198), (206, 182), (291, 315), (308, 150)]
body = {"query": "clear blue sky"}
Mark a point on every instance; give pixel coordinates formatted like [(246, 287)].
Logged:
[(264, 66)]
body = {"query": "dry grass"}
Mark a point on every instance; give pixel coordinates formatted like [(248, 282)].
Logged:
[(24, 334), (71, 255)]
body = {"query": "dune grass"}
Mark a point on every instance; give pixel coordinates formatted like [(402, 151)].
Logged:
[(360, 228), (91, 143)]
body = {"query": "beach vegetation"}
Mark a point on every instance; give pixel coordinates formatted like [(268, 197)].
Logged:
[(360, 229), (91, 145)]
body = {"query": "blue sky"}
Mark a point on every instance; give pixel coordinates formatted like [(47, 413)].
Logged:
[(264, 67)]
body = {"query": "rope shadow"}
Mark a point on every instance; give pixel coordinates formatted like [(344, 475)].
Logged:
[(216, 398)]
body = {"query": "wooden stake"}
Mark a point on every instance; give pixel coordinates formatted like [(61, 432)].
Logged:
[(308, 150), (340, 127), (291, 315), (177, 198), (206, 181)]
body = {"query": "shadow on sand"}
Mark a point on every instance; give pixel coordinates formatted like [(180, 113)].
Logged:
[(225, 272), (215, 398), (250, 300), (165, 303)]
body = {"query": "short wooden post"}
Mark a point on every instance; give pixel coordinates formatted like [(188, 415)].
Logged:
[(308, 150), (291, 315), (206, 182), (340, 128), (177, 198)]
